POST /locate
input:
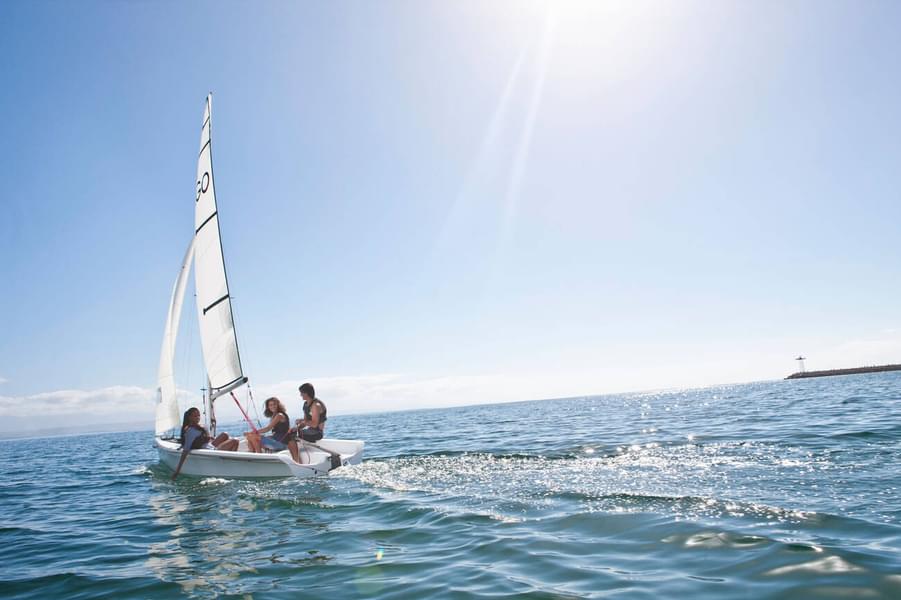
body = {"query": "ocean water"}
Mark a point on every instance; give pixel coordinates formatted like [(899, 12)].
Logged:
[(786, 489)]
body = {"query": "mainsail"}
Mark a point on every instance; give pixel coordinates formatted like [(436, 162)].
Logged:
[(167, 403), (217, 327)]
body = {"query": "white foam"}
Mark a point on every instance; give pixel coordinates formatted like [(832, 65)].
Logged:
[(212, 480)]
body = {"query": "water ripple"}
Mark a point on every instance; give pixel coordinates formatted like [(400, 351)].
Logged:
[(770, 490)]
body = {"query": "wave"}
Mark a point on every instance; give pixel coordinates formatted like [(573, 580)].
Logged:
[(887, 433), (740, 453), (213, 481), (692, 481), (753, 447), (72, 584)]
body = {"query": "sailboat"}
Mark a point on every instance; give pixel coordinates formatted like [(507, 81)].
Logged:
[(221, 357)]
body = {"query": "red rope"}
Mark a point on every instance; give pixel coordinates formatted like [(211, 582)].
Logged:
[(246, 418)]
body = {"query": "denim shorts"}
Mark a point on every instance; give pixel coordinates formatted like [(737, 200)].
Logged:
[(272, 443)]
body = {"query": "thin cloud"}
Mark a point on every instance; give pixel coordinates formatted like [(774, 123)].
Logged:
[(344, 395), (388, 392), (119, 404), (130, 402), (355, 394), (875, 350)]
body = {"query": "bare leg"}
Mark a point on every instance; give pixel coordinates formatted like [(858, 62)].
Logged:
[(229, 445), (295, 454), (253, 441), (225, 443)]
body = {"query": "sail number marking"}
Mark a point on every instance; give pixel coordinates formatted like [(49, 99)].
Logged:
[(203, 184)]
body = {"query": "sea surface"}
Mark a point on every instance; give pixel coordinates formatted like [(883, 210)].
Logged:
[(786, 489)]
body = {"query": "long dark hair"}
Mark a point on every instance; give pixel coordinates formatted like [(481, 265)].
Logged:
[(279, 407), (186, 422)]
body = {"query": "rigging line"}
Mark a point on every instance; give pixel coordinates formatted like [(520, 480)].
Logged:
[(237, 326), (244, 412), (247, 409), (253, 404), (256, 411)]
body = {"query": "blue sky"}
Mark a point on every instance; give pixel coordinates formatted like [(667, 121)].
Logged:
[(433, 203)]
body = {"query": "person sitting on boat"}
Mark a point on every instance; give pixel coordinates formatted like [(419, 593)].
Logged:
[(279, 425), (196, 437), (312, 427)]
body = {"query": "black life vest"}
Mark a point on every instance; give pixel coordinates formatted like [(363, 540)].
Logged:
[(308, 412), (280, 431)]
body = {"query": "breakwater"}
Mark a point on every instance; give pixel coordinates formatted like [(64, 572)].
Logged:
[(853, 371)]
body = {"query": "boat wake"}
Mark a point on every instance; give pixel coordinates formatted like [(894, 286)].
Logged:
[(213, 481), (685, 480)]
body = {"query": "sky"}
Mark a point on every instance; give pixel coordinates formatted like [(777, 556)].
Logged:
[(428, 203)]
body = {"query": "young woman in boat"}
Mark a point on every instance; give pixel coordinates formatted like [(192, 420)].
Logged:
[(312, 427), (280, 425), (195, 437)]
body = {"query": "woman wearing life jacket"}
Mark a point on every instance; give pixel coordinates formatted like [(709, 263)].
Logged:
[(312, 427), (195, 437), (280, 425)]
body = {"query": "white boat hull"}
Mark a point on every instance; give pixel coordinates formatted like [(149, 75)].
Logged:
[(243, 464)]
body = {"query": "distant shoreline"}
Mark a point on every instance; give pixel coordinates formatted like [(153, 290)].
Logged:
[(854, 371), (88, 429)]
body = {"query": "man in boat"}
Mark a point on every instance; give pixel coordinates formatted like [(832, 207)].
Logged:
[(312, 427)]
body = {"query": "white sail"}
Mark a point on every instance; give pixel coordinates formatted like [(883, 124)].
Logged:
[(217, 327), (167, 403), (223, 364)]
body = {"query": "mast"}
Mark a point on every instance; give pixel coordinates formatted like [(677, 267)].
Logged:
[(217, 325), (210, 410)]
